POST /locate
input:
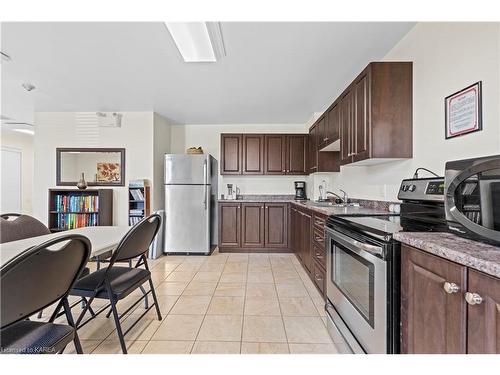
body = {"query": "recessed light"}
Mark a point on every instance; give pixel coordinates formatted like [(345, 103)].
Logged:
[(25, 131), (198, 41), (28, 86), (4, 57)]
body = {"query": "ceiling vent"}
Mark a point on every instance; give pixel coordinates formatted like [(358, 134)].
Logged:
[(113, 121)]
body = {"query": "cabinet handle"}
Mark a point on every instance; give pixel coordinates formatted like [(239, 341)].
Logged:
[(283, 171), (473, 298), (451, 288)]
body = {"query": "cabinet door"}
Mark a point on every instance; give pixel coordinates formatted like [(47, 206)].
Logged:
[(362, 119), (296, 148), (276, 221), (229, 225), (433, 321), (306, 240), (483, 319), (274, 148), (319, 277), (252, 225), (321, 133), (332, 133), (312, 145), (231, 154), (253, 154), (295, 227), (346, 121)]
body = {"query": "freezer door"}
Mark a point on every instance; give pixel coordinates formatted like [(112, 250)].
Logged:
[(187, 169), (187, 219)]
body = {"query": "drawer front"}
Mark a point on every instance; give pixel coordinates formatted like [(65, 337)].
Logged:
[(319, 256), (319, 238), (319, 222), (319, 277)]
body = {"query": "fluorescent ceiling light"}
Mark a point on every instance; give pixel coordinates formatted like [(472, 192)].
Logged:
[(197, 41), (25, 131)]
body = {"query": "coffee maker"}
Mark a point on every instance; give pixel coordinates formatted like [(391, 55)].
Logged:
[(300, 190)]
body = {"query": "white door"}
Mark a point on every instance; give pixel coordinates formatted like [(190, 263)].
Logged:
[(11, 180)]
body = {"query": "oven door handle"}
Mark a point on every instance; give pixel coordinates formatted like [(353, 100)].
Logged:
[(372, 249)]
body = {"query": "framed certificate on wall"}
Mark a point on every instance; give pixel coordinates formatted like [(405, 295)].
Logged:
[(463, 111)]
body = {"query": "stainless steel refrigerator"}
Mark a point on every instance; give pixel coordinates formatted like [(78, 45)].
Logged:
[(190, 204)]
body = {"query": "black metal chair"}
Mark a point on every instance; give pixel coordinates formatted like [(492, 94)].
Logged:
[(35, 279), (114, 282), (14, 227)]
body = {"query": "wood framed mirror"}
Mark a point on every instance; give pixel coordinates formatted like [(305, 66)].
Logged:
[(100, 166)]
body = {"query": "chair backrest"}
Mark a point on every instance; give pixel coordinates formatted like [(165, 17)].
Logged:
[(23, 226), (137, 240), (41, 276)]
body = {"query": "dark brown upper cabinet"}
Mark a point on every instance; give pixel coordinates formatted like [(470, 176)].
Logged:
[(332, 128), (377, 117), (312, 149), (296, 154), (253, 154), (231, 154), (275, 154), (259, 154)]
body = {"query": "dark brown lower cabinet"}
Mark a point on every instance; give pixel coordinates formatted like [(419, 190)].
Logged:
[(276, 222), (259, 227), (305, 236), (229, 225), (252, 225), (295, 232), (319, 277), (483, 319), (447, 307)]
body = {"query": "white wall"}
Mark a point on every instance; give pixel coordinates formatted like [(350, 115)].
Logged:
[(161, 146), (446, 58), (208, 137), (23, 142), (60, 129)]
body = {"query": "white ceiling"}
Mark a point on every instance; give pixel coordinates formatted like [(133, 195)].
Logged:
[(273, 72)]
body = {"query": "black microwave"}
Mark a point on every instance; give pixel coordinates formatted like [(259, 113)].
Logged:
[(472, 198)]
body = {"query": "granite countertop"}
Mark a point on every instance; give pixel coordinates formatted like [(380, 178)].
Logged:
[(473, 254), (362, 210)]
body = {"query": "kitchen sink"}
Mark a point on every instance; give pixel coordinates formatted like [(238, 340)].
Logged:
[(331, 204)]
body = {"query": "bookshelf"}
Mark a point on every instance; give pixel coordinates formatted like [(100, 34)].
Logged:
[(139, 205), (74, 208)]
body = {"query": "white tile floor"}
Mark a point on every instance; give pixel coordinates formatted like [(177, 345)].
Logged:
[(224, 303)]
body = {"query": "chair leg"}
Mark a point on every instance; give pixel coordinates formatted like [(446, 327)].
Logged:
[(71, 322), (118, 325), (146, 304), (154, 298)]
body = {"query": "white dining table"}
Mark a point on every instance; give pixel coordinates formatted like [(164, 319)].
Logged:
[(102, 238)]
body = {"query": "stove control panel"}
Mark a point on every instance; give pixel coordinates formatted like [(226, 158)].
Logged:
[(422, 189)]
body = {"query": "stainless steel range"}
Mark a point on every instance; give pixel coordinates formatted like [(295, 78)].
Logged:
[(363, 266)]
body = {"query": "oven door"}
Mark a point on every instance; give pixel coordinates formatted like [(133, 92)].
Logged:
[(356, 287)]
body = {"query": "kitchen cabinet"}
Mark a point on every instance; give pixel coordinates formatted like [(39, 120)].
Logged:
[(447, 307), (275, 150), (332, 127), (253, 154), (231, 154), (305, 237), (252, 225), (296, 154), (276, 224), (312, 152), (229, 225), (483, 317), (376, 114), (264, 154), (308, 243)]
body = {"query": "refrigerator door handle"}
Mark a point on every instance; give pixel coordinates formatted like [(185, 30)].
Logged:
[(205, 183)]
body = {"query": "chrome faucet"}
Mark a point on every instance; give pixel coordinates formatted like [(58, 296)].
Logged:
[(338, 196), (346, 198)]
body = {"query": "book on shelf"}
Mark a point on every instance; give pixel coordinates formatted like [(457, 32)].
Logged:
[(73, 221), (134, 219), (137, 194), (136, 212), (76, 203)]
